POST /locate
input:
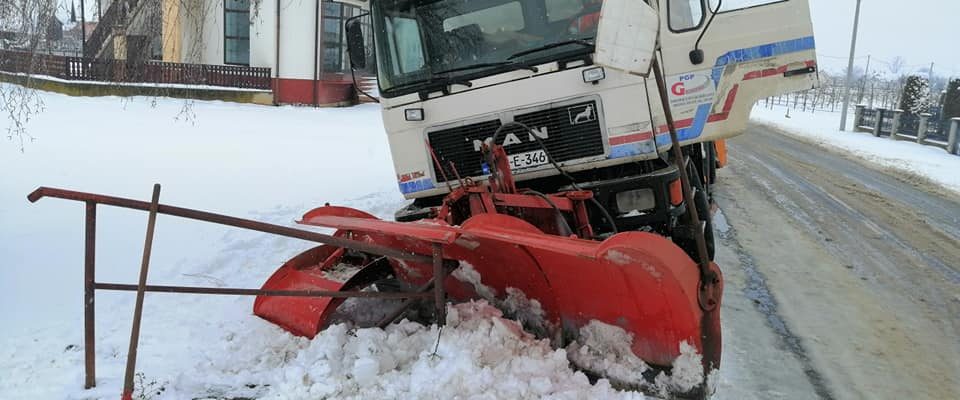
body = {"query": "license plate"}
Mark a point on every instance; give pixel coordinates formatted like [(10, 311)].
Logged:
[(527, 159)]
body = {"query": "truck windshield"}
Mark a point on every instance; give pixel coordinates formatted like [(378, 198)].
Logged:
[(417, 40)]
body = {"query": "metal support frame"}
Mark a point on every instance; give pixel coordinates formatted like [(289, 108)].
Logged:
[(91, 200), (89, 308), (439, 302)]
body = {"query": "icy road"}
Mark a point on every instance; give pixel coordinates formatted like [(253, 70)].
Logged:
[(843, 281)]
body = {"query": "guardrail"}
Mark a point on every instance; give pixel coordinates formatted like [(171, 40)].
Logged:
[(897, 125), (123, 71)]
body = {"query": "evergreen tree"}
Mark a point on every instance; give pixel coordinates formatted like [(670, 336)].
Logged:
[(951, 100), (915, 98)]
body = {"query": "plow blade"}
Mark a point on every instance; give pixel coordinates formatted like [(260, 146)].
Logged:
[(554, 285)]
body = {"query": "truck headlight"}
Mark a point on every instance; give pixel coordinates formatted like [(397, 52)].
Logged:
[(640, 200), (413, 114), (594, 75)]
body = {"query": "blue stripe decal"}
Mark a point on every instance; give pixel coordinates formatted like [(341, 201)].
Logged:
[(758, 52), (692, 132), (416, 186), (736, 57), (631, 149)]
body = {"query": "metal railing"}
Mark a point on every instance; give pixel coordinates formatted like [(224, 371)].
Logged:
[(124, 71), (434, 288)]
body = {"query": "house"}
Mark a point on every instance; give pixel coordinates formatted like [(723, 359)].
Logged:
[(301, 41)]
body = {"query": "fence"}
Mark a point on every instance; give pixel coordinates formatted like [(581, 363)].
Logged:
[(924, 128), (122, 71)]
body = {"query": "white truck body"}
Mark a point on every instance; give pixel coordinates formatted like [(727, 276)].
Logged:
[(749, 53)]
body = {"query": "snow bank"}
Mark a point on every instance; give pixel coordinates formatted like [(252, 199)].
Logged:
[(930, 162)]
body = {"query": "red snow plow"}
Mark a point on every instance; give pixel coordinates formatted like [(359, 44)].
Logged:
[(495, 240), (533, 255)]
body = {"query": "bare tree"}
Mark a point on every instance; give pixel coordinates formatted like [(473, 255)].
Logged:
[(896, 66), (28, 20)]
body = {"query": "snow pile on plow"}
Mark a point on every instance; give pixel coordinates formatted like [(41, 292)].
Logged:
[(479, 355)]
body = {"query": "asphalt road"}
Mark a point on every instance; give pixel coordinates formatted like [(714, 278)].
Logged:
[(843, 279)]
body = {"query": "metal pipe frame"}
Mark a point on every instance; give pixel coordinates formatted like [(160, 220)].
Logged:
[(229, 221), (90, 285)]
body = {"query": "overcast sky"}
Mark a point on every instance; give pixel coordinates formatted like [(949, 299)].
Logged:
[(920, 31)]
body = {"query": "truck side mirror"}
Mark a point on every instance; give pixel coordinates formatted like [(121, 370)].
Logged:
[(627, 36), (356, 46)]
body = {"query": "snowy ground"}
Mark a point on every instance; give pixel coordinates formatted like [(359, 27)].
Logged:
[(822, 128), (273, 164), (269, 164)]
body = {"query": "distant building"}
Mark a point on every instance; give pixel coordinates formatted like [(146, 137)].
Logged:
[(54, 30), (304, 45)]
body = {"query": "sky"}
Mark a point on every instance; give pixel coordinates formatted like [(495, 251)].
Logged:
[(920, 33)]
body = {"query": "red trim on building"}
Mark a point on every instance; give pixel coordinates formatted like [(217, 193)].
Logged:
[(331, 90)]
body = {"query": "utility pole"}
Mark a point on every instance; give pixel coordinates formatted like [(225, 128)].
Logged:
[(863, 85), (853, 51), (83, 29)]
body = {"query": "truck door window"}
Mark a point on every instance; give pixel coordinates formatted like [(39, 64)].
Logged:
[(685, 15), (733, 5)]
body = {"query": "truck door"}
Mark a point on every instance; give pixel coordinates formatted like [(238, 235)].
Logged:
[(752, 49)]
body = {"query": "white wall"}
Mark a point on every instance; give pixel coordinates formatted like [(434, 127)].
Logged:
[(202, 32), (204, 44), (297, 40)]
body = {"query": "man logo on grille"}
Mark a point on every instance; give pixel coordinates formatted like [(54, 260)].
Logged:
[(581, 114), (512, 138)]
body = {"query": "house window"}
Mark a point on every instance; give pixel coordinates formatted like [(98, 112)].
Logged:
[(236, 32), (334, 39)]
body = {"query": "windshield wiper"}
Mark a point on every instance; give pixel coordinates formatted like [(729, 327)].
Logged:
[(442, 78), (583, 42), (435, 80), (513, 64)]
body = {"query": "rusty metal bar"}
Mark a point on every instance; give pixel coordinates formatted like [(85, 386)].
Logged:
[(438, 288), (708, 296), (260, 292), (138, 308), (89, 274), (230, 221)]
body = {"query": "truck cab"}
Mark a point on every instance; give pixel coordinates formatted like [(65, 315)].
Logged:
[(452, 72)]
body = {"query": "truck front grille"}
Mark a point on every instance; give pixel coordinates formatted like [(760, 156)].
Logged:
[(572, 132)]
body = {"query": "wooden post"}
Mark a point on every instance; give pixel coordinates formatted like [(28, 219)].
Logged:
[(141, 292)]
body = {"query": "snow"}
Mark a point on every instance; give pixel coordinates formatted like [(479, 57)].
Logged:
[(264, 163), (822, 128), (606, 350)]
